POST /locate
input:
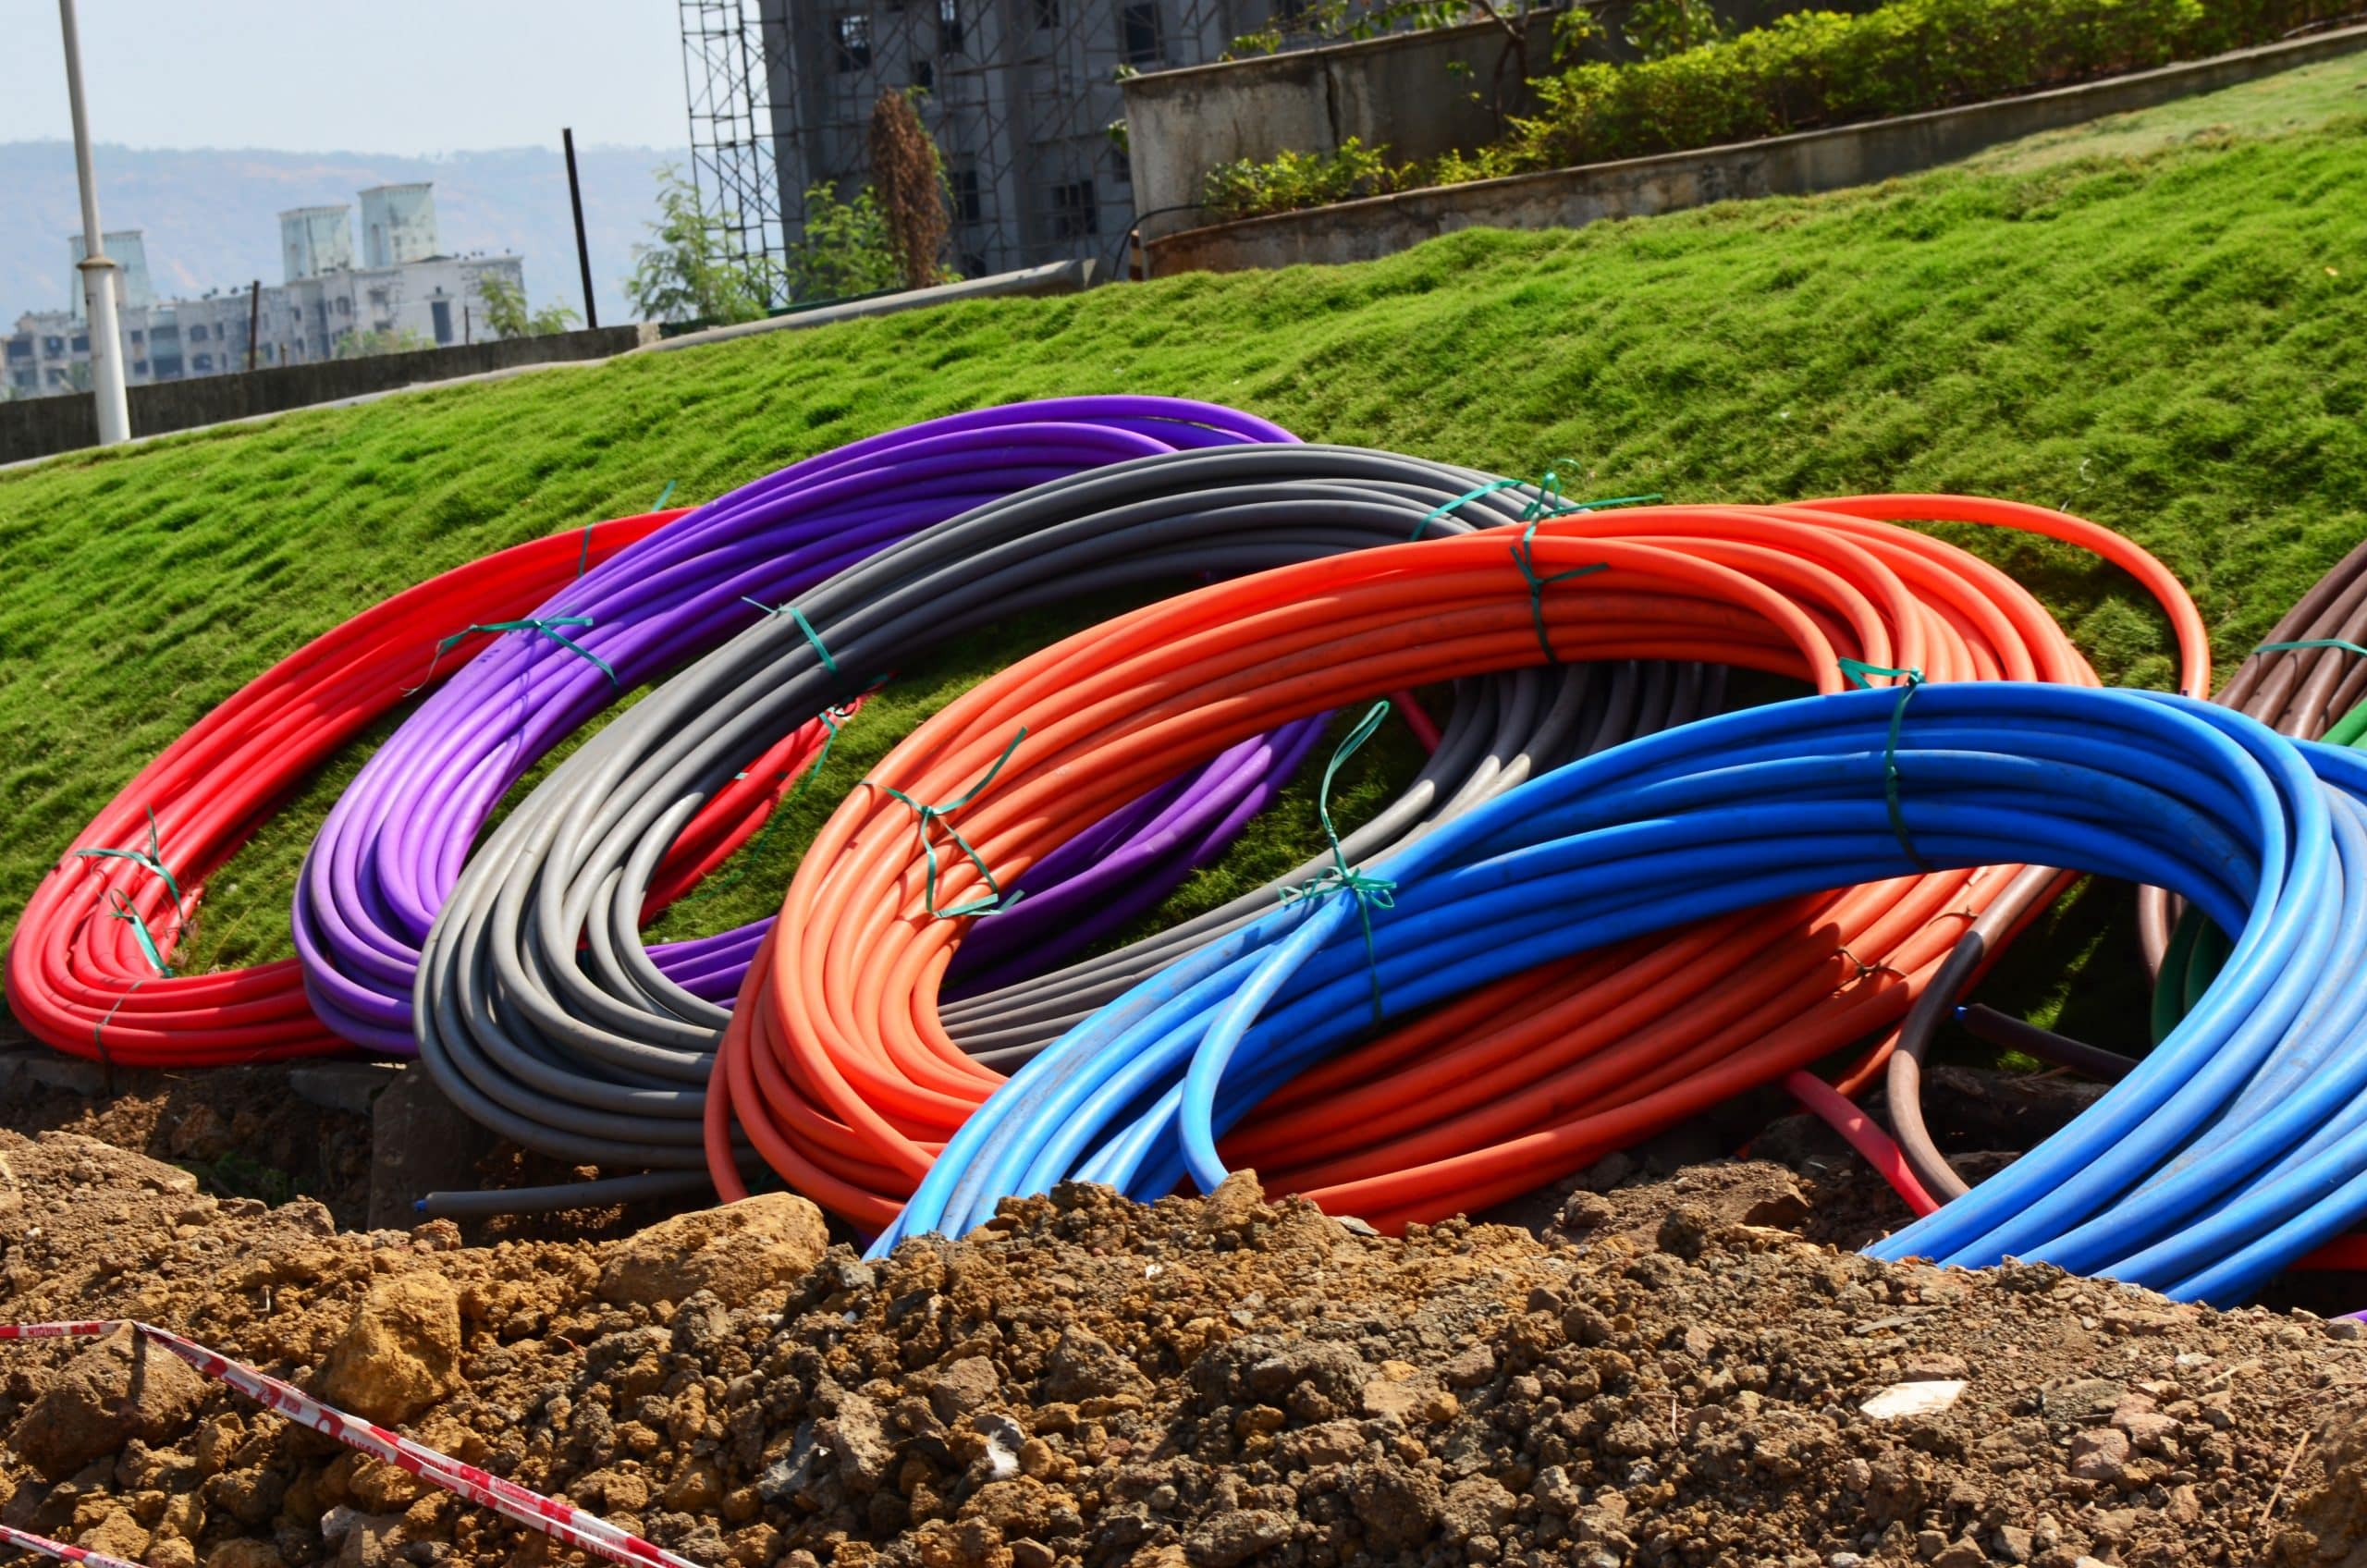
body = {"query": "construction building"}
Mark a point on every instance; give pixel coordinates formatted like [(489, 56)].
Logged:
[(1022, 96)]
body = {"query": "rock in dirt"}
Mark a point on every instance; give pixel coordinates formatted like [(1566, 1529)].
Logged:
[(124, 1387), (741, 1251), (400, 1353)]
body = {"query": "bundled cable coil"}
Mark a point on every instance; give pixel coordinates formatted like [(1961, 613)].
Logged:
[(88, 967), (2230, 1150), (836, 1064), (398, 836), (542, 1015)]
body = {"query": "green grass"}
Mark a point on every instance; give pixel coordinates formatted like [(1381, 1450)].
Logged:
[(2158, 325)]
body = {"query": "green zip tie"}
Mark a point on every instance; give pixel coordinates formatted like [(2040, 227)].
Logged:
[(1460, 501), (152, 860), (550, 626), (1369, 891), (747, 856), (124, 911), (994, 899), (663, 493), (1858, 670), (803, 625), (1524, 557), (2347, 647), (584, 555)]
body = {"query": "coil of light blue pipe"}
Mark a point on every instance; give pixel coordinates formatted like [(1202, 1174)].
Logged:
[(2241, 1142)]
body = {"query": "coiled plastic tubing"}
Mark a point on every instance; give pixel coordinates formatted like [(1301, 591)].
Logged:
[(2238, 1145)]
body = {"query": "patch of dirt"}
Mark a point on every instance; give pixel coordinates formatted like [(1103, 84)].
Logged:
[(240, 1129), (1210, 1383)]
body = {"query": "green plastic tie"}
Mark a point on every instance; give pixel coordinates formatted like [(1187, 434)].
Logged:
[(1858, 670), (1463, 500), (749, 853), (1524, 557), (993, 901), (803, 625), (662, 494), (151, 859), (584, 555), (1371, 892), (125, 912), (550, 626), (2348, 647)]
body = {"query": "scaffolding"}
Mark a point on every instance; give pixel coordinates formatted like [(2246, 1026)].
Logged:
[(731, 152), (1022, 97)]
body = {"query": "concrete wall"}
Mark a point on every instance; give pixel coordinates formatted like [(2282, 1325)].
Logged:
[(36, 427), (1812, 160), (1419, 94)]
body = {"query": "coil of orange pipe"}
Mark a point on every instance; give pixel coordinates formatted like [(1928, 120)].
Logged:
[(836, 1069)]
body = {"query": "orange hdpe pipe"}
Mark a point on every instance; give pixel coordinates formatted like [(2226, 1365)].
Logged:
[(835, 1068)]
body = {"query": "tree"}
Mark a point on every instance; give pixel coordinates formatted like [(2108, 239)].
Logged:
[(683, 276), (506, 313), (390, 340), (844, 250), (908, 175)]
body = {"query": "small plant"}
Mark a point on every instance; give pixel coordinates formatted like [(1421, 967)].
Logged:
[(684, 276), (1657, 29), (506, 313), (1347, 21), (1247, 187), (846, 247)]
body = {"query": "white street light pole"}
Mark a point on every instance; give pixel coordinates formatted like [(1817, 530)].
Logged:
[(98, 270)]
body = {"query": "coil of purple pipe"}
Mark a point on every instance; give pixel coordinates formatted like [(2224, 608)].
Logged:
[(395, 843)]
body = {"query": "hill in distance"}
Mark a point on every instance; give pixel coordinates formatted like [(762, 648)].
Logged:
[(212, 215)]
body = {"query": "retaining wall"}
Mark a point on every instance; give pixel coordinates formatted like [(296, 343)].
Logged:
[(1419, 94), (36, 427), (1784, 166)]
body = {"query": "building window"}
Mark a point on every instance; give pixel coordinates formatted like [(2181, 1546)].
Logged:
[(344, 305), (139, 367), (81, 342), (53, 345), (1075, 213), (948, 27), (1120, 168), (138, 337), (967, 208), (854, 41), (924, 75), (441, 310), (197, 332), (1138, 34), (1048, 13), (22, 347), (205, 361), (28, 379)]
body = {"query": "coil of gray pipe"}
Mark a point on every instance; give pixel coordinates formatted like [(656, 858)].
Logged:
[(541, 1015)]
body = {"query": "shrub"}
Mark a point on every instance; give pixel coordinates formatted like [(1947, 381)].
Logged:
[(1246, 187), (1814, 68)]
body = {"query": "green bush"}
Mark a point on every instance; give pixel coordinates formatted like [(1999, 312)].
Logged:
[(1815, 68), (1246, 188)]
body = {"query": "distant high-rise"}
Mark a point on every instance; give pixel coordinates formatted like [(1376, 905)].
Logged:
[(315, 240), (397, 224), (129, 251)]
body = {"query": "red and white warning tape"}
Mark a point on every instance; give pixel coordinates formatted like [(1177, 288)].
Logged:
[(59, 1550), (562, 1521)]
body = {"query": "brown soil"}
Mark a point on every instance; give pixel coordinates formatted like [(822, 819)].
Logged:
[(1201, 1384)]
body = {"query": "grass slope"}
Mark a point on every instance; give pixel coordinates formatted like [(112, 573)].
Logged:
[(2155, 324)]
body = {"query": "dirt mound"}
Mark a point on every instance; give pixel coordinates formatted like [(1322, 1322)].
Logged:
[(1202, 1384)]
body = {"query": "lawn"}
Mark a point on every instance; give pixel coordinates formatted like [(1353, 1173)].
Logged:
[(2156, 323)]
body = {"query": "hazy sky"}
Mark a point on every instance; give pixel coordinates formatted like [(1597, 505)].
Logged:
[(371, 75)]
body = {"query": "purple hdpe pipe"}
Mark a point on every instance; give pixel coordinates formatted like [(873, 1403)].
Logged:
[(396, 840)]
